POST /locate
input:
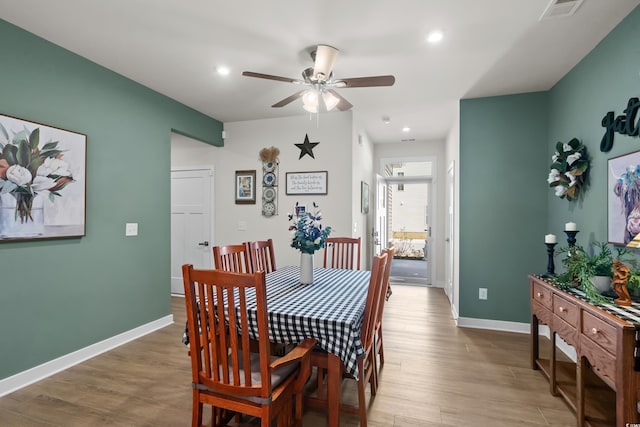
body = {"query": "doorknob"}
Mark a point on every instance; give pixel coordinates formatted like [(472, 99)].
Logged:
[(205, 243)]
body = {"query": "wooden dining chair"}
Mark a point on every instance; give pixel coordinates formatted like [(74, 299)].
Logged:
[(234, 258), (366, 364), (342, 252), (225, 373), (261, 256), (384, 296)]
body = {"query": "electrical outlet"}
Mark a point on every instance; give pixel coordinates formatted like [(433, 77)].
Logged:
[(131, 229), (482, 293)]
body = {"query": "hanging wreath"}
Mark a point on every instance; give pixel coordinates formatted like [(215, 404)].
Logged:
[(568, 172)]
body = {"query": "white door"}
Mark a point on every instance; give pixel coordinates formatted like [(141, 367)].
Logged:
[(191, 207), (380, 236)]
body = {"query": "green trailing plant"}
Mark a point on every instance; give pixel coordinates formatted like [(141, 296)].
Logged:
[(581, 266)]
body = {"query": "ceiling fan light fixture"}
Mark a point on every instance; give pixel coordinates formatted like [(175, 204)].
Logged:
[(434, 36), (330, 100), (310, 108), (325, 57)]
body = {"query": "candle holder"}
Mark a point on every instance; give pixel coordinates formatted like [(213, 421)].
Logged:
[(571, 237), (551, 268)]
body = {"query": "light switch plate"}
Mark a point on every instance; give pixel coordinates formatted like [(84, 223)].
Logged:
[(131, 229)]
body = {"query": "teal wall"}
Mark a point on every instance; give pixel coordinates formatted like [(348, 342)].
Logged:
[(502, 202), (604, 81), (506, 144), (57, 296)]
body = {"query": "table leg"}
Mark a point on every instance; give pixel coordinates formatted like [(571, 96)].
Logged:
[(334, 376)]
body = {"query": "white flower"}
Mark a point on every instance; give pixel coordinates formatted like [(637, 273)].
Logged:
[(554, 175), (555, 157), (566, 147), (571, 178), (52, 166), (573, 157), (317, 241), (19, 175), (41, 183), (560, 190)]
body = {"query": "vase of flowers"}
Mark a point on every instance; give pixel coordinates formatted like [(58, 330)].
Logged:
[(28, 172), (308, 236)]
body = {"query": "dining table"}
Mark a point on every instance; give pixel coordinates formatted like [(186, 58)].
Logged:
[(330, 309)]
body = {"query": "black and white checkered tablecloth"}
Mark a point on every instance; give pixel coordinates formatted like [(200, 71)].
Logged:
[(329, 310)]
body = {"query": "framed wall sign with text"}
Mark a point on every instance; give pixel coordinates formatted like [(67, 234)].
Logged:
[(307, 182)]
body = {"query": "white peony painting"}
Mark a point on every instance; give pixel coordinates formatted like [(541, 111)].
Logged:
[(42, 181)]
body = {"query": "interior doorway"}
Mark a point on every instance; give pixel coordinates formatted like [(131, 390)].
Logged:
[(407, 218)]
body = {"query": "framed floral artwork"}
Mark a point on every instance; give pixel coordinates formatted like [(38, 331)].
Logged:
[(246, 187), (623, 198), (42, 181)]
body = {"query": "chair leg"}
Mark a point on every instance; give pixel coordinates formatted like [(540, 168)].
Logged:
[(381, 347), (298, 409), (320, 381), (196, 415), (362, 404)]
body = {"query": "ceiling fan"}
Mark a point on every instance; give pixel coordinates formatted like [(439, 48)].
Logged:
[(321, 83)]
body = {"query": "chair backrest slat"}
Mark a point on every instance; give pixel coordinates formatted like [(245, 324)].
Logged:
[(220, 312), (233, 258), (342, 252), (261, 256), (374, 293), (385, 284)]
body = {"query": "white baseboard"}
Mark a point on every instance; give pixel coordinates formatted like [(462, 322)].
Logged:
[(520, 328), (40, 372)]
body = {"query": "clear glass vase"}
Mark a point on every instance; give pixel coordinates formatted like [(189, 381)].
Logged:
[(21, 215)]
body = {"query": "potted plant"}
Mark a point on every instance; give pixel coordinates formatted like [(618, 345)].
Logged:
[(592, 272)]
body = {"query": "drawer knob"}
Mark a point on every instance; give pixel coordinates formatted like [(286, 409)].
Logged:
[(539, 294), (594, 331), (562, 309)]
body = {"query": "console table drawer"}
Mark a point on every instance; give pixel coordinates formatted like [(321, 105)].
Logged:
[(543, 314), (604, 364), (599, 331), (565, 309), (542, 295), (568, 332)]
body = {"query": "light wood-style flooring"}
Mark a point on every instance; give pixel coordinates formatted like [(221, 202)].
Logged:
[(435, 375)]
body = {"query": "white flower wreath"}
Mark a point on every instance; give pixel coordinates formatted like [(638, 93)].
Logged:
[(568, 171)]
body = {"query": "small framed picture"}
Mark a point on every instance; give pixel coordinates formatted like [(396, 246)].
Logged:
[(246, 187)]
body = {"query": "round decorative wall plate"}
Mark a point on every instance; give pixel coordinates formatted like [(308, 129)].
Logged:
[(269, 179), (269, 166), (268, 209), (269, 194)]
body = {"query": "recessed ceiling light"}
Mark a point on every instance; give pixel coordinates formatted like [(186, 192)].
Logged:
[(386, 120), (222, 70), (406, 129), (434, 36)]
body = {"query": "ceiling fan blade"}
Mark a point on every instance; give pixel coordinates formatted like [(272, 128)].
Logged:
[(289, 99), (325, 58), (343, 105), (366, 81), (269, 77)]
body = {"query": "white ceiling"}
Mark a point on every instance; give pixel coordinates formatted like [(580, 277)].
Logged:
[(490, 47)]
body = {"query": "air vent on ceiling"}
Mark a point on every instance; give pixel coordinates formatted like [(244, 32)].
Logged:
[(561, 8)]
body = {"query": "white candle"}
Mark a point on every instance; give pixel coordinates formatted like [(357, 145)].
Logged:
[(571, 226), (550, 238)]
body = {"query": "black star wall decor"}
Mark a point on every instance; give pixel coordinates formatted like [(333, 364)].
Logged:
[(306, 147)]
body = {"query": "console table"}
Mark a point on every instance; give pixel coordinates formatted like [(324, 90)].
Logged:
[(605, 339)]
